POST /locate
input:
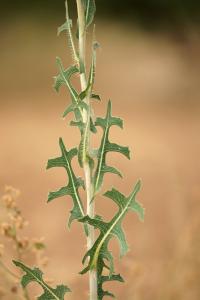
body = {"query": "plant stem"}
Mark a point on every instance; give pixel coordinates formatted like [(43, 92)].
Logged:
[(86, 166)]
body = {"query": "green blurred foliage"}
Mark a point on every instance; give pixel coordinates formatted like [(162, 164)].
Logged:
[(148, 13)]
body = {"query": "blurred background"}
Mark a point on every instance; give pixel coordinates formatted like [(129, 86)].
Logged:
[(149, 66)]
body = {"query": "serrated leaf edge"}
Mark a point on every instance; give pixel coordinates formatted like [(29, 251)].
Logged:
[(42, 283)]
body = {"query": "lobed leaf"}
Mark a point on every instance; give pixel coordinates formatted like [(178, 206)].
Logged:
[(74, 183), (93, 67), (100, 253), (106, 147), (63, 78), (89, 89), (104, 279), (112, 228), (67, 26), (83, 151), (83, 146), (36, 275)]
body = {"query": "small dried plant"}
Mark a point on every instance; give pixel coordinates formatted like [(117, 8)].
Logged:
[(13, 242), (98, 260)]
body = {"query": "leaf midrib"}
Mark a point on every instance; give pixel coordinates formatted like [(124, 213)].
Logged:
[(102, 153), (109, 231), (74, 187), (85, 137), (42, 283), (70, 88)]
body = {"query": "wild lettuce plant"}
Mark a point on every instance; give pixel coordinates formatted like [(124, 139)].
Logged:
[(98, 260)]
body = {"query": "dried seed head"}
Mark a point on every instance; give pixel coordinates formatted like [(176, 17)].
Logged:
[(14, 289), (19, 221), (12, 191), (10, 229), (7, 230), (9, 201), (23, 243)]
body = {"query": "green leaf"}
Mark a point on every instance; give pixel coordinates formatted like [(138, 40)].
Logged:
[(73, 182), (112, 228), (65, 26), (77, 109), (104, 279), (36, 275), (99, 253), (63, 78), (96, 97), (106, 147), (78, 124), (83, 94), (92, 126), (88, 91), (93, 67), (101, 279), (83, 151), (90, 10), (83, 147)]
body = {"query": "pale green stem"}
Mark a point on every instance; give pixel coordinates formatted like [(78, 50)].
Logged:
[(86, 167)]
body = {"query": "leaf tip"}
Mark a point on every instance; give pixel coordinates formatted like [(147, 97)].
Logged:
[(61, 142), (49, 197), (47, 165), (15, 262), (109, 106), (139, 184)]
